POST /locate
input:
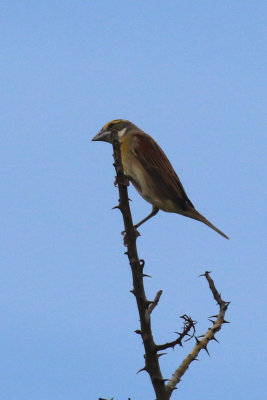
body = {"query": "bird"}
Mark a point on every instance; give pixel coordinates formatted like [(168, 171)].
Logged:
[(151, 173)]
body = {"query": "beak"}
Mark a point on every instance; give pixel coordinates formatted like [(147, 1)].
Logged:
[(101, 136)]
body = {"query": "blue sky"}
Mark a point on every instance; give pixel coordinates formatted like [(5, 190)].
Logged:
[(191, 74)]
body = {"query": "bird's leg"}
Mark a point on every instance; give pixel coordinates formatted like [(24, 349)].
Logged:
[(153, 212)]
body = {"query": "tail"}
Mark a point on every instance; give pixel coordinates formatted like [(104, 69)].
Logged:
[(196, 215)]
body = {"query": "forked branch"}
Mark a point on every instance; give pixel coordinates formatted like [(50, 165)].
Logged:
[(203, 343), (145, 307)]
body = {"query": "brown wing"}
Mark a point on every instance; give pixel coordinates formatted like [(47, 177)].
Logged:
[(155, 162)]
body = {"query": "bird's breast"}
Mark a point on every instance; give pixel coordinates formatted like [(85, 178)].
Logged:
[(134, 170), (142, 181)]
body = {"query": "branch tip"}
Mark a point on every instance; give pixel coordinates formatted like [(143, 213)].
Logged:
[(206, 274), (155, 302)]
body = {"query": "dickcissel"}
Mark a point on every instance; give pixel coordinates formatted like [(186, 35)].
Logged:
[(150, 172)]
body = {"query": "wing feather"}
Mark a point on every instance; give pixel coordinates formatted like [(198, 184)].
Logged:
[(157, 165)]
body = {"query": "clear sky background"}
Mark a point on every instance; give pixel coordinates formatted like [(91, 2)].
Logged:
[(193, 75)]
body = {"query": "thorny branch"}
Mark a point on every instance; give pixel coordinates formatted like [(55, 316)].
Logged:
[(145, 307), (151, 357), (188, 325), (203, 343)]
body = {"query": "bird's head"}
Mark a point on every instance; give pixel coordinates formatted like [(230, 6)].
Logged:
[(122, 126)]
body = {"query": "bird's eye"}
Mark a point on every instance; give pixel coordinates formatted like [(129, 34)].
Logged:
[(111, 125)]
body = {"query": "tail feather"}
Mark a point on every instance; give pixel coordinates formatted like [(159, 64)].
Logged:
[(199, 217)]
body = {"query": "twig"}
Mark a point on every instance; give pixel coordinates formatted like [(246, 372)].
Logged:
[(188, 325), (203, 343), (155, 302)]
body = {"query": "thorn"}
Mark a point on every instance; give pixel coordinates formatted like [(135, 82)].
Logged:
[(214, 316), (216, 340), (211, 321), (187, 340), (138, 332), (140, 370), (146, 276), (161, 354), (195, 359), (126, 252), (205, 348), (198, 341), (225, 322), (114, 208), (133, 292)]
